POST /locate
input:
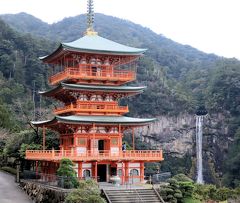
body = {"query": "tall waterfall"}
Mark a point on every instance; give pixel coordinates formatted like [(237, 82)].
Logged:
[(199, 124)]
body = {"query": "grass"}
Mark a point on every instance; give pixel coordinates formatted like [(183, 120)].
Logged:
[(190, 200)]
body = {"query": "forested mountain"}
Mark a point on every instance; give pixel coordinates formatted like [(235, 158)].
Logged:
[(165, 64), (178, 77), (176, 58)]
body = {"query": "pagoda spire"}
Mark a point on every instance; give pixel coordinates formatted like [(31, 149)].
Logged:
[(90, 19)]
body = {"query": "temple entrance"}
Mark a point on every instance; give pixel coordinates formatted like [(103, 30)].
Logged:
[(102, 172), (100, 145), (94, 71)]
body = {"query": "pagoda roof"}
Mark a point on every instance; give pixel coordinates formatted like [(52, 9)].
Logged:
[(95, 44), (96, 88), (107, 120)]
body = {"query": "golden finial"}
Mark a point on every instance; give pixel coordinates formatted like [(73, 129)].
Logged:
[(90, 19)]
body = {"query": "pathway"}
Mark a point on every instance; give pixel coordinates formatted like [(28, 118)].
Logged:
[(9, 190)]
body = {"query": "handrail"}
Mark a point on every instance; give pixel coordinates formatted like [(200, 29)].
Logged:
[(139, 197), (89, 73), (159, 196), (101, 107), (106, 195), (94, 155)]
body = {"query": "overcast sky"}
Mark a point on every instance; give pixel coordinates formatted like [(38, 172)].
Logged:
[(212, 26)]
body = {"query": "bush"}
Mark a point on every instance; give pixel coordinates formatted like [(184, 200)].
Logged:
[(171, 192), (87, 192), (68, 175), (183, 178)]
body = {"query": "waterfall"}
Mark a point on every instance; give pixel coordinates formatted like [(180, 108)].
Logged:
[(199, 124)]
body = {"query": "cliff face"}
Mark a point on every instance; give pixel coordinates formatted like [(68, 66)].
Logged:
[(176, 136), (172, 134)]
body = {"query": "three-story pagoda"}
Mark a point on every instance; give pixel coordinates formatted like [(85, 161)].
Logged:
[(89, 77)]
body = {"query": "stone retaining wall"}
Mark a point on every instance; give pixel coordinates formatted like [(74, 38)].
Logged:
[(42, 193)]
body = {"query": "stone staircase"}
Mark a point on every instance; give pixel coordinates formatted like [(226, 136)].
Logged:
[(133, 196)]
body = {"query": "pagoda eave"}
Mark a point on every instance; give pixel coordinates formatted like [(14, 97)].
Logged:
[(63, 91), (93, 88), (94, 45), (89, 120)]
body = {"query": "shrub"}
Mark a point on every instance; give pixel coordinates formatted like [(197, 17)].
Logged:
[(182, 178), (87, 192), (68, 175), (171, 192)]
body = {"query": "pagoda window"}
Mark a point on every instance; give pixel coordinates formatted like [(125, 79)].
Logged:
[(72, 141), (119, 172), (134, 172), (86, 173)]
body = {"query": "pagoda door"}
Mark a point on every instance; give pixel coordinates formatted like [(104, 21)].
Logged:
[(101, 145), (94, 71)]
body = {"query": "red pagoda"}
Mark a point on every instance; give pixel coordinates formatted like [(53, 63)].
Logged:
[(88, 76)]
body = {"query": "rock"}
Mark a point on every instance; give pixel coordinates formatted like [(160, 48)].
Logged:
[(43, 193), (175, 135)]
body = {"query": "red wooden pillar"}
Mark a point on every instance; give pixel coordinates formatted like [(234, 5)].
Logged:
[(141, 171), (133, 140), (79, 170), (95, 171), (94, 131), (119, 137), (36, 168), (123, 176), (126, 172), (44, 137)]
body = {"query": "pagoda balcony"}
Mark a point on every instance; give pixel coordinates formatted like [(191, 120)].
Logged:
[(93, 108), (129, 155), (86, 74)]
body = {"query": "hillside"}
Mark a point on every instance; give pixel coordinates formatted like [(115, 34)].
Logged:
[(175, 57), (164, 66), (178, 77)]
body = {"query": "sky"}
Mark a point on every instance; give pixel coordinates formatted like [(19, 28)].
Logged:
[(212, 26)]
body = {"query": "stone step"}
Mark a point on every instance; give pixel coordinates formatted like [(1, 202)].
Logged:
[(135, 201), (133, 196)]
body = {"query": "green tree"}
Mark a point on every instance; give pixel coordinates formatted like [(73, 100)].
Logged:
[(68, 176), (232, 175)]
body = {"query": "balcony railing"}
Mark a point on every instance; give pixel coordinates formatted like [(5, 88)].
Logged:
[(130, 155), (98, 108), (87, 73)]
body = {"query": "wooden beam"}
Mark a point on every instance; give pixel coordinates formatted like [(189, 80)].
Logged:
[(44, 137), (133, 140)]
